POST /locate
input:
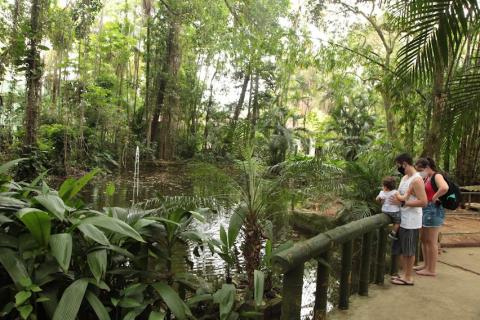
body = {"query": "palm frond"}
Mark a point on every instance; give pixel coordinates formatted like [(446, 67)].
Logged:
[(435, 31)]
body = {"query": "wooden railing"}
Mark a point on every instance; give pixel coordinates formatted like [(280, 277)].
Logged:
[(468, 195), (291, 264)]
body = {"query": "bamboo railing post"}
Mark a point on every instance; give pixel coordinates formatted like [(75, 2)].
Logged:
[(292, 293), (321, 298), (382, 249), (346, 275), (365, 264)]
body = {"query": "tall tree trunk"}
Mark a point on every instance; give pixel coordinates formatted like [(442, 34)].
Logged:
[(236, 113), (33, 76), (147, 82), (240, 102), (209, 110), (169, 123), (433, 138)]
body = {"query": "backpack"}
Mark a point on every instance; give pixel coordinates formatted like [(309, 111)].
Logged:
[(452, 199)]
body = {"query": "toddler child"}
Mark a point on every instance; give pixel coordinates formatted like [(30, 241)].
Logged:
[(392, 210)]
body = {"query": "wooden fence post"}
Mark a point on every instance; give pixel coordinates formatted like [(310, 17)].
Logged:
[(382, 249), (292, 293), (365, 264), (323, 272), (346, 275)]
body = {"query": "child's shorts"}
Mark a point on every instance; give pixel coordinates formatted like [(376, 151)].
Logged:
[(395, 216)]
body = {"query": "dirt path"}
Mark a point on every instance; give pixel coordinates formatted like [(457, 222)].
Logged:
[(453, 294), (461, 228)]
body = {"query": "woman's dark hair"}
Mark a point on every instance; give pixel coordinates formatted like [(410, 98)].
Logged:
[(389, 183), (404, 157), (426, 162)]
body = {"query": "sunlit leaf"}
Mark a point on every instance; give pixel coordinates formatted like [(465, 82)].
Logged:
[(71, 300), (61, 248)]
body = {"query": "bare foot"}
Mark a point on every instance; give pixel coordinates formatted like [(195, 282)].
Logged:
[(418, 268), (425, 273)]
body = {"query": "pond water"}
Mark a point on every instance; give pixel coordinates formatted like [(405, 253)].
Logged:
[(172, 180)]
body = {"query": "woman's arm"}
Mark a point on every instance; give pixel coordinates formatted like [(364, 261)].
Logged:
[(442, 186)]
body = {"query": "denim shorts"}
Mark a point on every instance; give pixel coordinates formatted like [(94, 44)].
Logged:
[(433, 215)]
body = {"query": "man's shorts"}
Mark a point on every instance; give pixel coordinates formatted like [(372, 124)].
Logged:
[(406, 245), (394, 216)]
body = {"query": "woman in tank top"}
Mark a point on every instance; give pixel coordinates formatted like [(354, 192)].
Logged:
[(433, 215)]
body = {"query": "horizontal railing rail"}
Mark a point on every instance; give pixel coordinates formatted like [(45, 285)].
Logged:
[(468, 195), (291, 263)]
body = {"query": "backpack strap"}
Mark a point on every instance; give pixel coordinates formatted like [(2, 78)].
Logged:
[(433, 183)]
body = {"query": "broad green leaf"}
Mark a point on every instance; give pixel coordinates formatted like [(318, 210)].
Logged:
[(114, 225), (25, 311), (134, 290), (78, 185), (71, 300), (4, 168), (38, 222), (197, 215), (155, 315), (132, 315), (225, 297), (92, 232), (121, 251), (21, 297), (258, 282), (130, 303), (97, 261), (199, 298), (7, 201), (53, 204), (65, 188), (61, 248), (14, 266), (223, 236), (142, 223), (34, 183), (236, 222), (97, 306), (4, 219), (193, 236), (7, 309), (173, 301), (8, 241), (99, 284)]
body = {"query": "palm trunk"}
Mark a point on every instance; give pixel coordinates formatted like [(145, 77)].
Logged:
[(256, 110)]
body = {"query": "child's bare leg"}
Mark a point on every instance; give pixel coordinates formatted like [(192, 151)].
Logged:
[(395, 228)]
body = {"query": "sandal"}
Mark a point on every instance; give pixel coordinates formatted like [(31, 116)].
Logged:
[(401, 282)]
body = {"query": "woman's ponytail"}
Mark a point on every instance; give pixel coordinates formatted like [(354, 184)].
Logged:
[(431, 164)]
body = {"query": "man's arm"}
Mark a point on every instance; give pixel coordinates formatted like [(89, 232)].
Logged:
[(418, 188)]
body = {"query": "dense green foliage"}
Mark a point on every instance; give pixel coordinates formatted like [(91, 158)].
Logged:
[(83, 84), (62, 259)]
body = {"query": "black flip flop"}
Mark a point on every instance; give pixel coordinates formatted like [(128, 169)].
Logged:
[(401, 282)]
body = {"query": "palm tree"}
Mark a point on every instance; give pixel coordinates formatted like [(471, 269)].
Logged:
[(441, 48)]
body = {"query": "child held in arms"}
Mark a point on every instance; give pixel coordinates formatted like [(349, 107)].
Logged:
[(391, 210)]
